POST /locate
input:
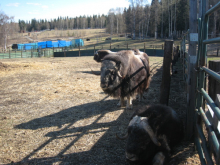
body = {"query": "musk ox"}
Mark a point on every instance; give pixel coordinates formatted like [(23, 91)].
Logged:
[(124, 75), (152, 132)]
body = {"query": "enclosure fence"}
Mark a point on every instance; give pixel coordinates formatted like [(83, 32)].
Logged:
[(206, 109), (70, 51)]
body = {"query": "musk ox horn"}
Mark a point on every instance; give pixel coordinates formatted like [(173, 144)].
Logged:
[(119, 74), (123, 137), (148, 129)]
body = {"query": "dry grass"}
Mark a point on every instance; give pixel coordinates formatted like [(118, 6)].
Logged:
[(53, 111)]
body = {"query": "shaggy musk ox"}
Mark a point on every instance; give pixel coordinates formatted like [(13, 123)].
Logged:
[(123, 74), (151, 134)]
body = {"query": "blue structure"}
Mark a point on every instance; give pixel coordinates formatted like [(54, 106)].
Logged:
[(21, 46), (68, 43), (42, 45), (79, 42), (55, 44), (30, 46), (49, 44), (62, 43)]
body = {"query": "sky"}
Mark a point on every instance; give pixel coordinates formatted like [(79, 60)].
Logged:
[(47, 9)]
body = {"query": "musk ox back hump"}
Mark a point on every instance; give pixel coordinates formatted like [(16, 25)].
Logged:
[(100, 54)]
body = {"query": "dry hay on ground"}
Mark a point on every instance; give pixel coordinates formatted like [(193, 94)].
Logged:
[(53, 111)]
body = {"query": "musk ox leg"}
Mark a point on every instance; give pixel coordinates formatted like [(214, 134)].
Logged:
[(129, 103), (140, 97), (121, 102), (159, 159)]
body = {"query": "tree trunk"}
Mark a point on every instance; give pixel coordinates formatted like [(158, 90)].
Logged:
[(134, 23), (148, 21), (161, 35)]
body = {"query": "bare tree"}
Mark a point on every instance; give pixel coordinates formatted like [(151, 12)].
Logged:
[(6, 27), (111, 20), (134, 10), (147, 16)]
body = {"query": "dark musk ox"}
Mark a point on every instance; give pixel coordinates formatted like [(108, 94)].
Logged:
[(152, 132), (124, 75)]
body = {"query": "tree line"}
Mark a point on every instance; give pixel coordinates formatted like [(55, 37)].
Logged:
[(64, 23)]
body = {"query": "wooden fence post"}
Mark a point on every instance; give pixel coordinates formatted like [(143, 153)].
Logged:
[(94, 49), (31, 53), (9, 54), (79, 51), (166, 74)]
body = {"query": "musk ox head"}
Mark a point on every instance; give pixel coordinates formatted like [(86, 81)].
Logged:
[(151, 134), (100, 54), (110, 75), (142, 142)]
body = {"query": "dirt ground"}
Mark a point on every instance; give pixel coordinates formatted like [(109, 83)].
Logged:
[(53, 111)]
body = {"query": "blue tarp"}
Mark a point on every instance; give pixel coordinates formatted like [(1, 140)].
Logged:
[(79, 42), (49, 44), (68, 43), (20, 46), (42, 44), (30, 46), (73, 43), (55, 44), (62, 43), (52, 44)]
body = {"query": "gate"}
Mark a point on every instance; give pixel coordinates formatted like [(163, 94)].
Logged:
[(206, 142)]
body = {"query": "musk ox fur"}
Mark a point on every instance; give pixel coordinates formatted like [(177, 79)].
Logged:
[(124, 75), (152, 132)]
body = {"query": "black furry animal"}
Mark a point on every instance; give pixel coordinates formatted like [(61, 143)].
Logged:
[(123, 74), (152, 132)]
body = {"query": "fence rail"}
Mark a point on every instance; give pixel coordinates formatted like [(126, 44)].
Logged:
[(206, 142), (155, 50), (208, 147)]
